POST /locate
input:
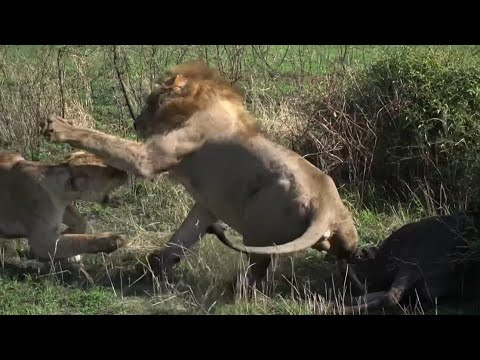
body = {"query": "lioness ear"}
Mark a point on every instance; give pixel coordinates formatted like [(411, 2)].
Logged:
[(180, 81), (73, 155)]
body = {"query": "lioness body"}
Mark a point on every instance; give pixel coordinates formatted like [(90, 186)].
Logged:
[(36, 198), (197, 129)]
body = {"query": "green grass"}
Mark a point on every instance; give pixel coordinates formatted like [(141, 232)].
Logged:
[(31, 296), (28, 297), (202, 283)]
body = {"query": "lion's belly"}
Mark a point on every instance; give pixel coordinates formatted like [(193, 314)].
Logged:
[(257, 202), (274, 216), (222, 202), (221, 177)]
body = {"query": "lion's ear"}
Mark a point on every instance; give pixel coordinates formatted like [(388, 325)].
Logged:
[(180, 81)]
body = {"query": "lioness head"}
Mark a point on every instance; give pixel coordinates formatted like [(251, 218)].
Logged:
[(186, 89), (91, 179)]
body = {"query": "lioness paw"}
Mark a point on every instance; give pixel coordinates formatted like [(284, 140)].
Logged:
[(109, 242)]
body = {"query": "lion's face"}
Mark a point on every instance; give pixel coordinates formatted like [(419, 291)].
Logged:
[(185, 90), (163, 103), (91, 179)]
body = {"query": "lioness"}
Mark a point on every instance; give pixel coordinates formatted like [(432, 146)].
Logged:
[(197, 128), (35, 198)]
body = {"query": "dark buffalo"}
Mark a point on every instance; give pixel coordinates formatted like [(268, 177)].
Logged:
[(428, 259)]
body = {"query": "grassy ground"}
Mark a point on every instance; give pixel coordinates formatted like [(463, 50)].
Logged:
[(84, 86), (202, 284)]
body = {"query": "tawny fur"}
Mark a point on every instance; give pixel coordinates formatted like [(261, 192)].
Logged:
[(196, 127), (36, 198)]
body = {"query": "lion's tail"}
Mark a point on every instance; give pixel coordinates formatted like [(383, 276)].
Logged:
[(317, 229)]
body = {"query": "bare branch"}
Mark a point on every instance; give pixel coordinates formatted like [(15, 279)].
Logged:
[(122, 83)]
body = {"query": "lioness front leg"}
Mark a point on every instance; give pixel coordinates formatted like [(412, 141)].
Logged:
[(51, 247), (193, 228)]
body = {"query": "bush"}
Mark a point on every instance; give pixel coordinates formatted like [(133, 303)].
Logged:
[(409, 121)]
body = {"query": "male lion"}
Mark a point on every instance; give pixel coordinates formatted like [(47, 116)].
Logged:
[(197, 128), (35, 198)]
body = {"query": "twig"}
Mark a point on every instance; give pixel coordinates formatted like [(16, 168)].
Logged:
[(122, 84), (60, 78)]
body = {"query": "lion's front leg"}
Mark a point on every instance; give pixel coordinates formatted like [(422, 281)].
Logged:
[(129, 156), (193, 228)]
